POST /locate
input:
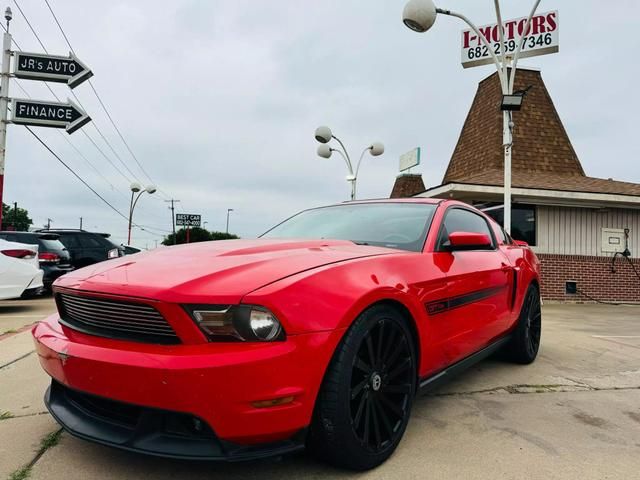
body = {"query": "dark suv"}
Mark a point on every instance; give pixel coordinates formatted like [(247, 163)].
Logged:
[(87, 248), (54, 258)]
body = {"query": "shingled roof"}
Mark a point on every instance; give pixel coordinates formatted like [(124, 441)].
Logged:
[(543, 156)]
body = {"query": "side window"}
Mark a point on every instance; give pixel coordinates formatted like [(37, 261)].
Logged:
[(69, 241), (503, 238), (88, 241), (462, 220)]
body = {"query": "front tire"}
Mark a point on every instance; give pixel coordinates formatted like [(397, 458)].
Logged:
[(365, 400), (525, 342)]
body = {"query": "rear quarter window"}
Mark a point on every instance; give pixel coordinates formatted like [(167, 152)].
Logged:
[(69, 241), (89, 241)]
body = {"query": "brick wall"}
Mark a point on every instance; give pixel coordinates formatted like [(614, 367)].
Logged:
[(407, 185), (593, 276)]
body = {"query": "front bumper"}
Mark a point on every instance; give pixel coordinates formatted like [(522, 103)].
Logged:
[(151, 431), (216, 383)]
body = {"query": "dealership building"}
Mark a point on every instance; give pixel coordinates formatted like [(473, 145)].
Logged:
[(578, 225)]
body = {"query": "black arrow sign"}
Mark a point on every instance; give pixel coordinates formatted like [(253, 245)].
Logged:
[(52, 68), (48, 114)]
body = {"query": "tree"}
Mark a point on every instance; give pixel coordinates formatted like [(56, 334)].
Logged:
[(13, 219), (197, 235)]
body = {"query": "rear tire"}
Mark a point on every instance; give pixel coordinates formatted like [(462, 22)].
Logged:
[(365, 400), (525, 342)]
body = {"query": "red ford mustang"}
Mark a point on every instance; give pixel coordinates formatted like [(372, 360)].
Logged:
[(317, 334)]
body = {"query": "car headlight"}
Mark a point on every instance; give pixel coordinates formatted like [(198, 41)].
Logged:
[(245, 323)]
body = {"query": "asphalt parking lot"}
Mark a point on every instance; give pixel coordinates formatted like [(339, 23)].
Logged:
[(573, 414)]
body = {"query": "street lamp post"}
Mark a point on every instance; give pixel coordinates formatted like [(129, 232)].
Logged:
[(420, 15), (324, 136), (229, 210), (136, 188)]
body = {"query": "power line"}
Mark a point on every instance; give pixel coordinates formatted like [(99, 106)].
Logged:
[(30, 26), (104, 107), (57, 157), (133, 175), (74, 173), (113, 187), (19, 85)]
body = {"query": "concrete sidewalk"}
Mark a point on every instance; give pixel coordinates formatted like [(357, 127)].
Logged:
[(574, 413)]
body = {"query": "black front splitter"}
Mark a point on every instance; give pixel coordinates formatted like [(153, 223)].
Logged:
[(150, 431)]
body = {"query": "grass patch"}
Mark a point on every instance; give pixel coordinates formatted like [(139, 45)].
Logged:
[(21, 474), (49, 441), (46, 443), (5, 415)]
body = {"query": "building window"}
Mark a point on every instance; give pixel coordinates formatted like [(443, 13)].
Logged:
[(523, 221)]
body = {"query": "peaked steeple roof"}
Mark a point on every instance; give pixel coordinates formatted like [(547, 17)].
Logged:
[(540, 143)]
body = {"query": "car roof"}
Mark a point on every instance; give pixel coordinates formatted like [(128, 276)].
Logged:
[(432, 201), (44, 235), (72, 230)]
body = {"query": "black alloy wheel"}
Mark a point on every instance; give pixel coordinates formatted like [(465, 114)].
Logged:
[(381, 385), (365, 400), (525, 340), (533, 323)]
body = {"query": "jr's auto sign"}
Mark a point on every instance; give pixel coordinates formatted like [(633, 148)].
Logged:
[(541, 38)]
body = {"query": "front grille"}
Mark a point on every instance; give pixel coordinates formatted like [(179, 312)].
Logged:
[(115, 319)]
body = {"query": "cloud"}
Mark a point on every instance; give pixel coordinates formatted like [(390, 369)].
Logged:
[(219, 101)]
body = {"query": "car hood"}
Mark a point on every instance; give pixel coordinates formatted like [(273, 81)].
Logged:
[(220, 271)]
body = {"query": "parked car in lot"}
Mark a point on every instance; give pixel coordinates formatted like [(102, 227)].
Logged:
[(130, 250), (20, 274), (53, 257), (87, 248), (318, 334)]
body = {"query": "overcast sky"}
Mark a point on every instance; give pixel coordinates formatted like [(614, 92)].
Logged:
[(219, 101)]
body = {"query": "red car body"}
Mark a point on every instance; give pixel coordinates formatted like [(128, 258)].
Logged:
[(246, 399)]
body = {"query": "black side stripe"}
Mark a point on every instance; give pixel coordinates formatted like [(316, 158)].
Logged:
[(440, 306)]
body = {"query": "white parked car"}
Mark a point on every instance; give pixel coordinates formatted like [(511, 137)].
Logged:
[(19, 269)]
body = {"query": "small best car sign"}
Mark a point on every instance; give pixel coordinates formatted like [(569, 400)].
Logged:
[(187, 220)]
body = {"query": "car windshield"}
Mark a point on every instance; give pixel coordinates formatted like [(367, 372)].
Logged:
[(393, 225)]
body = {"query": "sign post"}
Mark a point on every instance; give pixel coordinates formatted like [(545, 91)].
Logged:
[(502, 44), (44, 67), (188, 220), (4, 102)]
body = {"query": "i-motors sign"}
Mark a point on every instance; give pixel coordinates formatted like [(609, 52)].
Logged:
[(541, 38)]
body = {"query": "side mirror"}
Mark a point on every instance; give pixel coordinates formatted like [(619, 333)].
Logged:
[(521, 243), (469, 241)]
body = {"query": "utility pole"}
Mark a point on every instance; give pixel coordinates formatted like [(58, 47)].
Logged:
[(15, 216), (173, 217), (80, 223), (4, 100), (49, 223)]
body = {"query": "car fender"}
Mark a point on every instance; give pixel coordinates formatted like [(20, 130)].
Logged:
[(332, 297)]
